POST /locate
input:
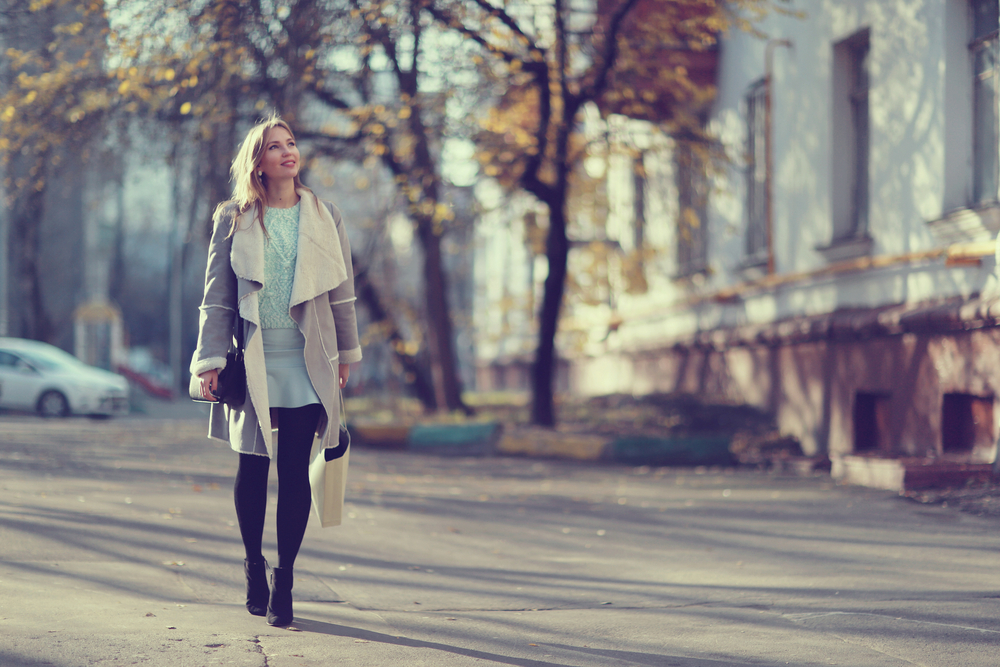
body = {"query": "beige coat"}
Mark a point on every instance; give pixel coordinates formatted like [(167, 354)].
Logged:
[(322, 305)]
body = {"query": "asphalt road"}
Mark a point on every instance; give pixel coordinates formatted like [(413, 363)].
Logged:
[(118, 546)]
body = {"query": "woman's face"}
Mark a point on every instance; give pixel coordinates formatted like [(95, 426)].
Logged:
[(281, 155)]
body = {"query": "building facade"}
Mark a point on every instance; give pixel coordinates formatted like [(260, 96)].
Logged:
[(830, 259)]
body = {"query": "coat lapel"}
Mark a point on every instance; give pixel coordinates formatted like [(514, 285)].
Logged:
[(319, 266), (247, 259), (247, 255)]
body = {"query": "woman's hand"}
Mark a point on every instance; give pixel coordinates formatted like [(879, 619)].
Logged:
[(345, 372), (209, 383)]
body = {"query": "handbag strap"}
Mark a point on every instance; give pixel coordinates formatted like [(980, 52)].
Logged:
[(343, 409), (239, 332)]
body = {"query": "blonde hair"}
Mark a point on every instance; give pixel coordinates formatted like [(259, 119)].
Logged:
[(249, 189)]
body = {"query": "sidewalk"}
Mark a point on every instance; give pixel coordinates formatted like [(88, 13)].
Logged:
[(118, 546)]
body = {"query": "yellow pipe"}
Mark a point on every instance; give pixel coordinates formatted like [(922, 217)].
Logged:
[(958, 254)]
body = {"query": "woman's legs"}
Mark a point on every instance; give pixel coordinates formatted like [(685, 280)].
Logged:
[(295, 439), (250, 493)]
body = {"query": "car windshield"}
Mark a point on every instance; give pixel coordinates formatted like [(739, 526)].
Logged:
[(51, 360)]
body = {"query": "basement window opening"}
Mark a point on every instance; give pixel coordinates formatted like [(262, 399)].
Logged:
[(966, 423), (871, 422)]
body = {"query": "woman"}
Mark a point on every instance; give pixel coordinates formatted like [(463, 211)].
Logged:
[(279, 260)]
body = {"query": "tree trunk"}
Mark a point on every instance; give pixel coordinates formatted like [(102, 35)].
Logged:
[(415, 374), (25, 218), (444, 366), (546, 358), (219, 154), (27, 31), (116, 273)]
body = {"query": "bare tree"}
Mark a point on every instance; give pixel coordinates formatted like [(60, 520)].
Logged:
[(552, 58)]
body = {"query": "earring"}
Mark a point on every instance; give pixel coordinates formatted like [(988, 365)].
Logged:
[(260, 173)]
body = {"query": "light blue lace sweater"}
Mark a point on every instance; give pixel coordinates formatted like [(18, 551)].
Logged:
[(280, 251)]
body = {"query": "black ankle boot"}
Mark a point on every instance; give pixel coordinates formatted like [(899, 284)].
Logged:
[(279, 608), (257, 592)]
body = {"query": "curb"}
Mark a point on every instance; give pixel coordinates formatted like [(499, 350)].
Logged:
[(477, 439), (490, 438)]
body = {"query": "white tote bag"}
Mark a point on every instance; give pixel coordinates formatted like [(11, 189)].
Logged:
[(328, 479)]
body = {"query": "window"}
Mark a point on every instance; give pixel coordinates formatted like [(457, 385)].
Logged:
[(985, 87), (850, 137), (634, 263), (756, 173), (692, 200), (639, 200)]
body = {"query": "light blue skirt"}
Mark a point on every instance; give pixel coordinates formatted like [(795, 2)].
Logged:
[(288, 383)]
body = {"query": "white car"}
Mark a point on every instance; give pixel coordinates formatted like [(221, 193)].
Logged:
[(39, 377)]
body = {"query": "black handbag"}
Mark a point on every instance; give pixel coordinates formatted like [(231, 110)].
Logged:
[(232, 384)]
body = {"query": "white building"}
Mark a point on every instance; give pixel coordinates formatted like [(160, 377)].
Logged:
[(848, 287)]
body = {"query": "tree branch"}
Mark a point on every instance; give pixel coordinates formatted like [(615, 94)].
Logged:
[(610, 55), (561, 53), (352, 139), (417, 33), (530, 178), (330, 99), (543, 191), (507, 20), (452, 22)]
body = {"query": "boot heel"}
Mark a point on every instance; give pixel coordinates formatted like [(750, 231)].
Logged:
[(257, 591), (279, 607)]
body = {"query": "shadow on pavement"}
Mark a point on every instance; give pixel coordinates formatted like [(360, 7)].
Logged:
[(321, 627), (8, 659), (659, 660)]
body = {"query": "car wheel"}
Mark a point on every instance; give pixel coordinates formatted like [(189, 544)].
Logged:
[(53, 404)]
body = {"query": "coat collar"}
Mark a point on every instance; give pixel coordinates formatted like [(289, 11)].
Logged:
[(319, 265)]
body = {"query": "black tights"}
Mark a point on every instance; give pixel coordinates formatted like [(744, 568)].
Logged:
[(296, 427)]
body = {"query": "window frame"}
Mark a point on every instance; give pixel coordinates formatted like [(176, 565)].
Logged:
[(985, 128), (755, 171), (855, 225), (691, 181)]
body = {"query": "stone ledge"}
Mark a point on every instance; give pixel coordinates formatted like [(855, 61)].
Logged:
[(929, 317), (966, 225), (906, 474)]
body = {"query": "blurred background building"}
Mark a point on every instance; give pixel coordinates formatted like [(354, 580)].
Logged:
[(799, 216), (823, 251)]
